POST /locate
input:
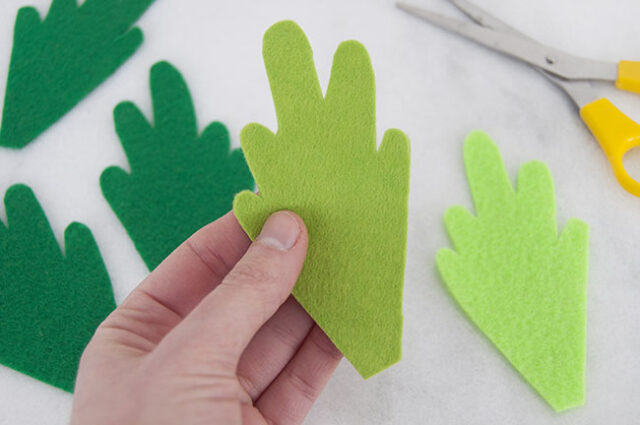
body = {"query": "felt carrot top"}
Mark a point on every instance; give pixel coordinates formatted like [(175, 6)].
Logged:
[(58, 60), (51, 301), (179, 180), (519, 281), (323, 164)]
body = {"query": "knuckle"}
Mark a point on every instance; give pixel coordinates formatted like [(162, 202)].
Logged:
[(258, 276), (323, 344), (207, 385), (255, 280), (248, 384), (285, 334), (302, 386), (210, 257), (197, 358), (251, 272)]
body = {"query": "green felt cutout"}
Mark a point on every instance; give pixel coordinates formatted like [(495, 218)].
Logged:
[(57, 61), (519, 281), (323, 164), (179, 180), (50, 303)]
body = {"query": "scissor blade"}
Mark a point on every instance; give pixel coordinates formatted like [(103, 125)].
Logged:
[(527, 50), (580, 92), (484, 18)]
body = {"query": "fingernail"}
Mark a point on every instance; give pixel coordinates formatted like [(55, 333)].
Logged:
[(280, 231)]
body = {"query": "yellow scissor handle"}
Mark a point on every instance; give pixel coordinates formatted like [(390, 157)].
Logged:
[(628, 76), (617, 134)]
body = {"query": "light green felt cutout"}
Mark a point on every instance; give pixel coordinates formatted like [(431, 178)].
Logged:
[(50, 303), (323, 164), (57, 61), (519, 282), (179, 180)]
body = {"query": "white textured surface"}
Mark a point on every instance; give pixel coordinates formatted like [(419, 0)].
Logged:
[(436, 87)]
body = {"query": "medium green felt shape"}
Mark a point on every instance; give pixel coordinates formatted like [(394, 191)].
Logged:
[(179, 180), (519, 281), (323, 164), (57, 61), (50, 303)]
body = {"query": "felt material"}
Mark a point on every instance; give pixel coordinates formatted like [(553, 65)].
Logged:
[(50, 302), (519, 281), (57, 61), (179, 180), (323, 164)]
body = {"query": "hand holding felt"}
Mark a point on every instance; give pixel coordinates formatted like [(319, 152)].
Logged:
[(519, 281), (50, 302), (57, 61), (211, 337), (179, 180), (323, 164)]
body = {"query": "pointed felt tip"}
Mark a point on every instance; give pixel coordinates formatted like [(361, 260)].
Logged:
[(16, 192), (163, 66), (75, 230), (285, 33), (353, 48), (282, 27), (476, 139), (164, 77), (10, 142), (217, 131), (371, 370)]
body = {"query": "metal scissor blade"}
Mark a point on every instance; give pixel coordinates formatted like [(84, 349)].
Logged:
[(580, 92), (555, 61), (484, 18)]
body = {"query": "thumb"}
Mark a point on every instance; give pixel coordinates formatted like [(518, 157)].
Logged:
[(226, 320)]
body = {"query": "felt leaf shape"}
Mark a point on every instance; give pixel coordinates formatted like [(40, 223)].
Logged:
[(323, 164), (179, 180), (50, 302), (57, 61), (519, 281)]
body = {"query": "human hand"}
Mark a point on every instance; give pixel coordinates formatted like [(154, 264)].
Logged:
[(212, 336)]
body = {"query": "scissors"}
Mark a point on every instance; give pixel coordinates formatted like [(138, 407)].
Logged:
[(616, 133)]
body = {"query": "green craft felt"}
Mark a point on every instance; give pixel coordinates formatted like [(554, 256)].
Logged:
[(50, 302), (519, 281), (323, 164), (179, 180), (57, 61)]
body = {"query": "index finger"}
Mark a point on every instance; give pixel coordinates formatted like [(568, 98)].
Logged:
[(197, 266)]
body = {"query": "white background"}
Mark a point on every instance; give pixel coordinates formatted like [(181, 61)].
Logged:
[(434, 86)]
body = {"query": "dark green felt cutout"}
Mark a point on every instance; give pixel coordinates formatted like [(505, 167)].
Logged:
[(50, 303), (179, 180), (57, 61), (323, 163)]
